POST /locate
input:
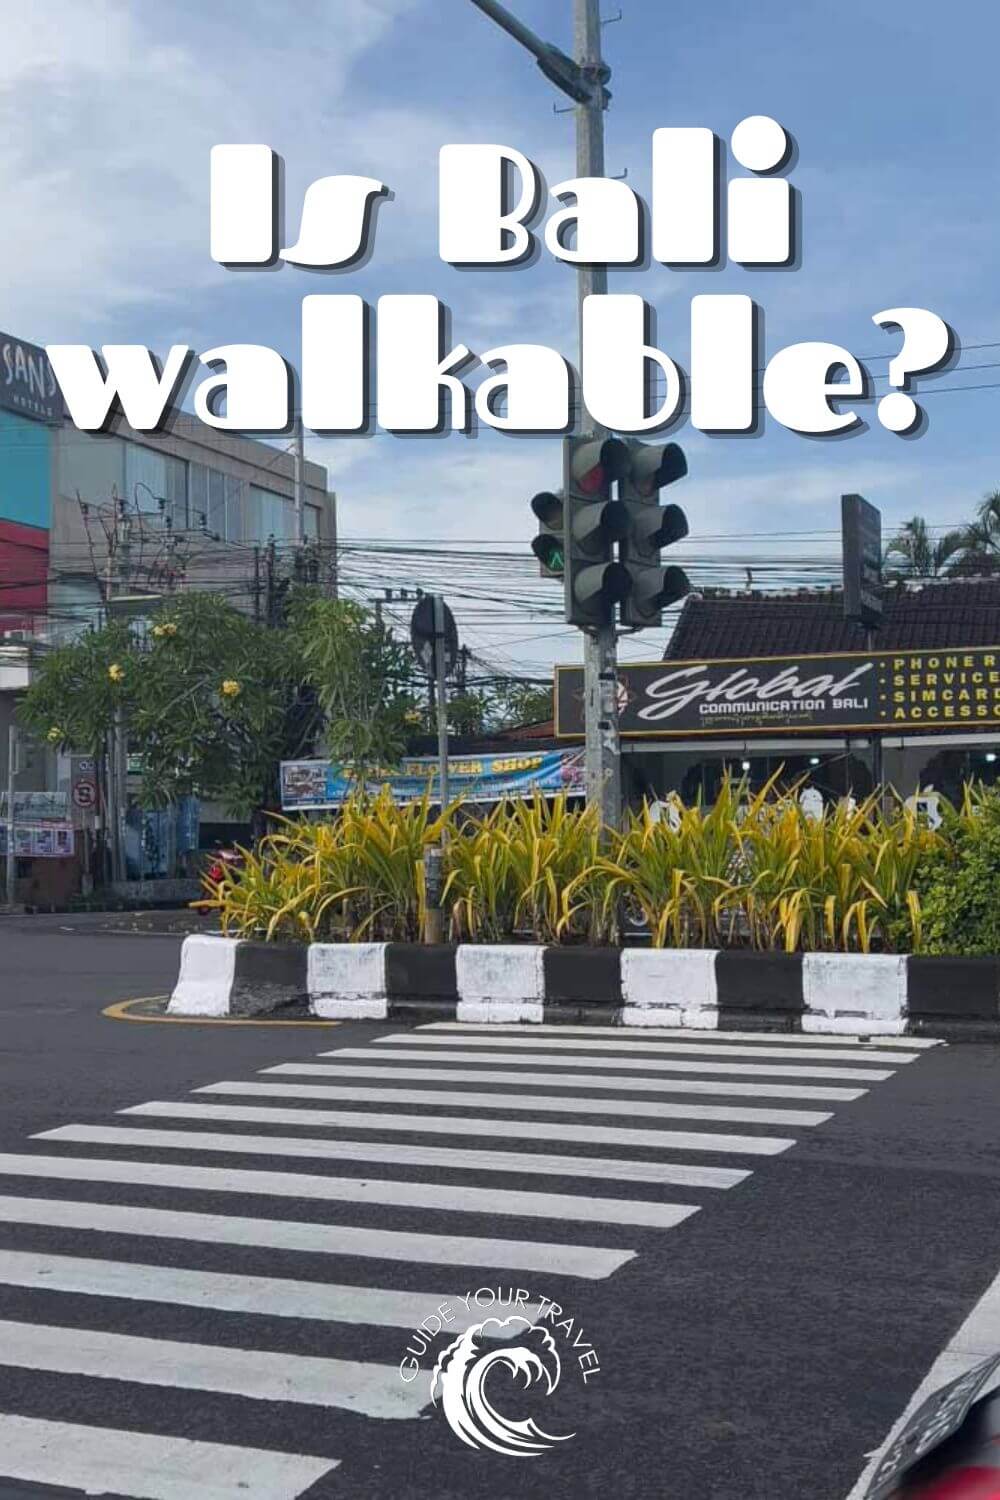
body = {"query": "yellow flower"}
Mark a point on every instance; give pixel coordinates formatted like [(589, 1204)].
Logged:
[(168, 629), (54, 734), (116, 672), (231, 688)]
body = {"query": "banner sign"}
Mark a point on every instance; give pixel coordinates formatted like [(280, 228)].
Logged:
[(313, 784), (37, 807), (851, 690)]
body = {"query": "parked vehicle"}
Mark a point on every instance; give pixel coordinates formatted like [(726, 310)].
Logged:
[(950, 1448)]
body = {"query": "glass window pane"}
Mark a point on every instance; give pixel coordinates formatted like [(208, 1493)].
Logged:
[(198, 486), (145, 479), (311, 522), (234, 508), (217, 503), (177, 479)]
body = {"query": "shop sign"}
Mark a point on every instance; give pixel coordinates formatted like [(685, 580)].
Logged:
[(27, 382), (839, 692)]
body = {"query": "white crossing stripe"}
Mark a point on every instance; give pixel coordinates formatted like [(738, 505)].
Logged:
[(611, 1044), (107, 1461), (586, 1261), (374, 1390), (272, 1296), (656, 1065), (397, 1154), (788, 1038), (451, 1125), (668, 1085), (423, 1195), (649, 1109)]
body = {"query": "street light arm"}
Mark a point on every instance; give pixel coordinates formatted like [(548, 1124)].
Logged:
[(557, 67)]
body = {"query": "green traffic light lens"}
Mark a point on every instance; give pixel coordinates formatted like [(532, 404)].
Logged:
[(550, 553)]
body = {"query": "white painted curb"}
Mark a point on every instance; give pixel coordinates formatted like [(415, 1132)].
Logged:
[(500, 982), (670, 987), (346, 981), (848, 992), (205, 983)]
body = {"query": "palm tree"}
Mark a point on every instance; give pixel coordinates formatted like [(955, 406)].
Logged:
[(981, 538), (921, 556)]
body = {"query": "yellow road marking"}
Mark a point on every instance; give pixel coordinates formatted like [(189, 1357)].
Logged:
[(121, 1011)]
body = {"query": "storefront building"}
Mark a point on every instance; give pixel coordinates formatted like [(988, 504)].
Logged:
[(201, 508), (754, 686)]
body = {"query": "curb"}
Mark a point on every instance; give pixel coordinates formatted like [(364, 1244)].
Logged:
[(697, 988)]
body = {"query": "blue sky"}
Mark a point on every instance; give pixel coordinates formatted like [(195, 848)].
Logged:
[(109, 111)]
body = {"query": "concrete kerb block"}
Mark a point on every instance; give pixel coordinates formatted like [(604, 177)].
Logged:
[(205, 983), (500, 982), (851, 992), (347, 981), (670, 987)]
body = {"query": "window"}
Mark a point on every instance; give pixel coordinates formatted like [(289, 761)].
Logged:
[(234, 489), (156, 483), (310, 519), (272, 515)]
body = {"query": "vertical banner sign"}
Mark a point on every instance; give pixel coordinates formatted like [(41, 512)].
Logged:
[(862, 540)]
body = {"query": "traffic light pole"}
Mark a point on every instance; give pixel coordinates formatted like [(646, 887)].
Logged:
[(582, 78), (600, 667)]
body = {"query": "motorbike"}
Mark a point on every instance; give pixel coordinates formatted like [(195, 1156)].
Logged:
[(949, 1449)]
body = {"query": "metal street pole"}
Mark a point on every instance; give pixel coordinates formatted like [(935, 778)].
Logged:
[(583, 78), (600, 667), (442, 698), (299, 460)]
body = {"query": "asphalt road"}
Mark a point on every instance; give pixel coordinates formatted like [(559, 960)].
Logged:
[(759, 1348)]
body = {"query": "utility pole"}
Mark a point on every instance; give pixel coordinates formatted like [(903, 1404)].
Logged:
[(299, 462), (583, 78)]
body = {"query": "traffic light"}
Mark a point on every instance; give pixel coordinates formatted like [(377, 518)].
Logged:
[(549, 545), (650, 527), (593, 523)]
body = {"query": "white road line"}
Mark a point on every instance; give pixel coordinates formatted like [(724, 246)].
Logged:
[(272, 1296), (398, 1154), (646, 1108), (534, 1130), (657, 1065), (792, 1039), (371, 1389), (977, 1340), (386, 1194), (611, 1044), (667, 1085), (107, 1461), (589, 1262)]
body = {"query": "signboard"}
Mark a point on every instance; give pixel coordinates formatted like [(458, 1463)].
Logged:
[(317, 784), (935, 1420), (37, 807), (44, 841), (862, 540), (851, 690), (85, 792), (27, 382)]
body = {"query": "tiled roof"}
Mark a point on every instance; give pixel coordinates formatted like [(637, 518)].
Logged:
[(959, 612)]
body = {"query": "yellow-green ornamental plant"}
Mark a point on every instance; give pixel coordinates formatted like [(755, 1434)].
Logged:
[(751, 870)]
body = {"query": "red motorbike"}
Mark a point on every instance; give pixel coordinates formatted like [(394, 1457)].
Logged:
[(950, 1448)]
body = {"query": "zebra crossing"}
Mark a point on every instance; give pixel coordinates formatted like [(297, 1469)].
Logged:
[(138, 1259)]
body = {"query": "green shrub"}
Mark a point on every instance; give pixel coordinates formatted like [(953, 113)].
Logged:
[(960, 896)]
